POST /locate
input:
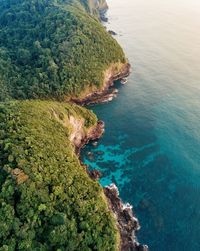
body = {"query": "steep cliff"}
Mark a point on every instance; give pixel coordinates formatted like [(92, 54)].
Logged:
[(96, 7), (105, 92)]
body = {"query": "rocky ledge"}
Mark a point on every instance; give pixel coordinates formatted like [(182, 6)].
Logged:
[(127, 223), (93, 134), (107, 93), (102, 8), (111, 32)]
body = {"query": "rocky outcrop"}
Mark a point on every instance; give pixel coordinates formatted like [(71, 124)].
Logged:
[(102, 7), (94, 174), (111, 32), (106, 93), (77, 130), (98, 8), (127, 223), (80, 137)]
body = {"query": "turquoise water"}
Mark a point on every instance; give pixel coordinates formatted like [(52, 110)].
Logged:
[(151, 147)]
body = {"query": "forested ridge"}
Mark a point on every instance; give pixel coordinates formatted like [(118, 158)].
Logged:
[(52, 48), (47, 200)]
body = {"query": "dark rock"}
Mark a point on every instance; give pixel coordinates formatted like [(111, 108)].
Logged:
[(123, 81), (127, 223), (95, 174), (103, 18), (142, 248), (113, 33)]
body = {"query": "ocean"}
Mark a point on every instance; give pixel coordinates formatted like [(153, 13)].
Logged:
[(151, 145)]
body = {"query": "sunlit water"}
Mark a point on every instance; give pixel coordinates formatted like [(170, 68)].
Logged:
[(151, 147)]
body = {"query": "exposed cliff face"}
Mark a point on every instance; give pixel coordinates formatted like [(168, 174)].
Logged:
[(80, 136), (115, 72), (97, 7), (78, 132), (101, 6)]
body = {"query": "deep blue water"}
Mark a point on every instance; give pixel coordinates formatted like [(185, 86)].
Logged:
[(151, 147)]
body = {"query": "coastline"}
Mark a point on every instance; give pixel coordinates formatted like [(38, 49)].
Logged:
[(126, 221), (106, 93), (80, 128), (128, 224)]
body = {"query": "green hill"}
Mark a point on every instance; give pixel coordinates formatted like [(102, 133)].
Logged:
[(47, 200), (53, 49)]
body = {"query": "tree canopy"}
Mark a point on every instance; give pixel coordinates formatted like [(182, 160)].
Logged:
[(52, 48), (47, 200)]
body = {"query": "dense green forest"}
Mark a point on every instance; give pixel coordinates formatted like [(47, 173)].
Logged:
[(52, 48), (47, 200)]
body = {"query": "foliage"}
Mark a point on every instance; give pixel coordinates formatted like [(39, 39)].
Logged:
[(47, 200), (50, 49)]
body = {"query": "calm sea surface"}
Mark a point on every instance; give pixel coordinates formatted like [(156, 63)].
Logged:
[(151, 147)]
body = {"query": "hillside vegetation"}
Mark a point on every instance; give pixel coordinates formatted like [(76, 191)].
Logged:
[(47, 200), (53, 48)]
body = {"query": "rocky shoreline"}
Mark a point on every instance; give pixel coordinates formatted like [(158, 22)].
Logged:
[(102, 9), (107, 93), (127, 223)]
